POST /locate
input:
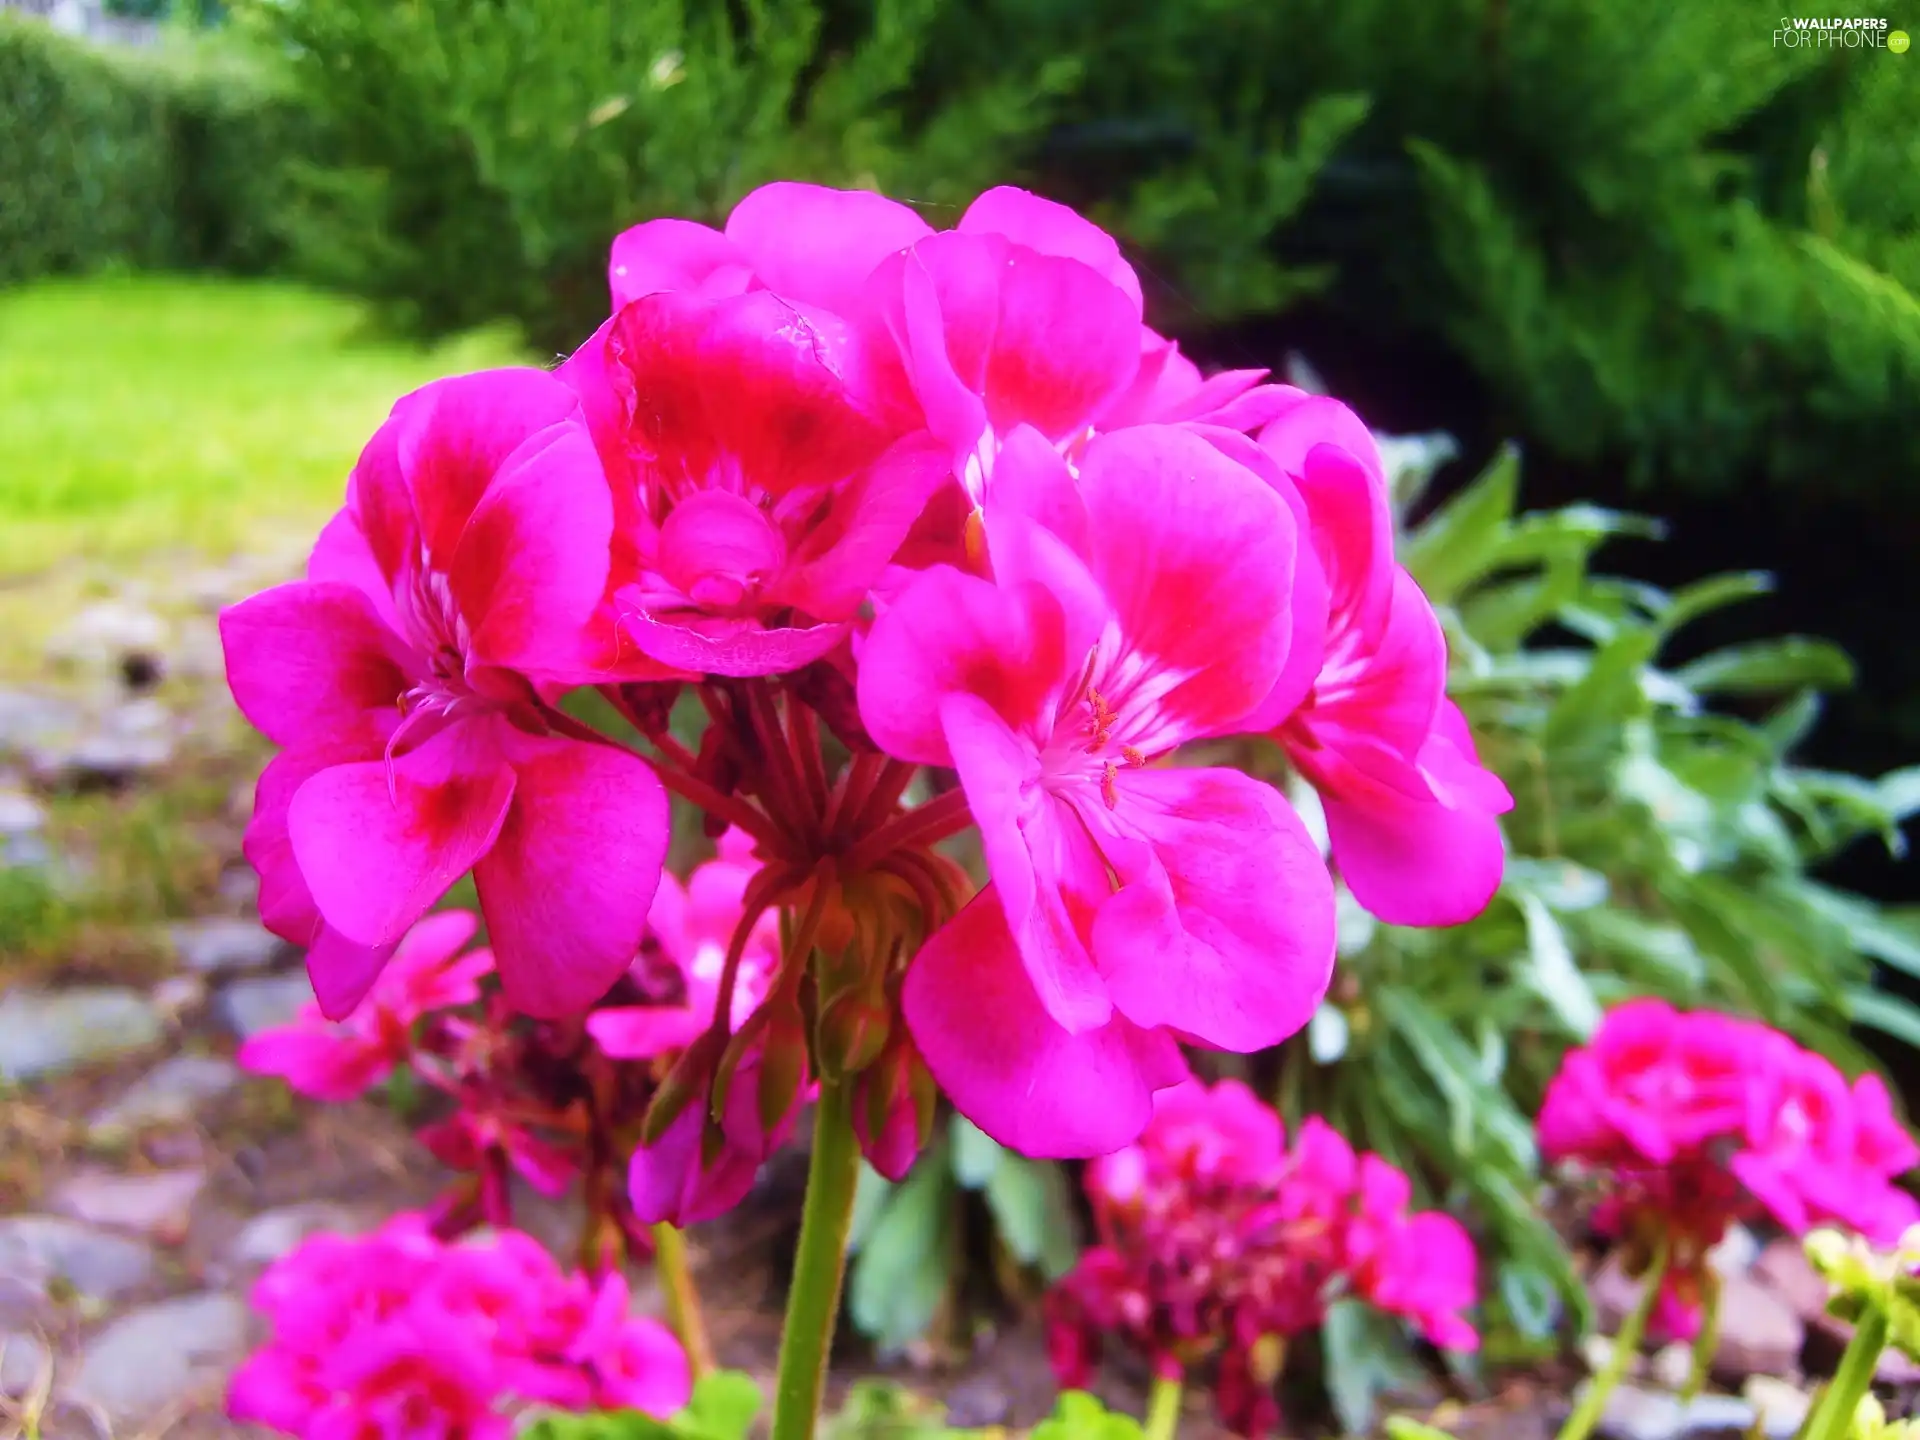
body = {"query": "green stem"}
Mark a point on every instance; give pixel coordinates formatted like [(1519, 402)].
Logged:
[(1626, 1345), (683, 1300), (1707, 1343), (1163, 1407), (1832, 1418), (813, 1299)]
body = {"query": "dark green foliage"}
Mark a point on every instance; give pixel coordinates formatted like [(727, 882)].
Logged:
[(162, 159), (85, 170), (723, 1407), (1657, 237), (474, 161), (1659, 845)]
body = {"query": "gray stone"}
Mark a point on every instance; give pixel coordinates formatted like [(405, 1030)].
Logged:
[(20, 813), (23, 1361), (128, 740), (157, 1204), (273, 1233), (978, 1401), (259, 1002), (174, 996), (238, 883), (43, 1032), (1782, 1406), (168, 1094), (1784, 1269), (29, 719), (162, 1356), (1759, 1333), (1634, 1413), (39, 1251), (219, 944), (107, 632)]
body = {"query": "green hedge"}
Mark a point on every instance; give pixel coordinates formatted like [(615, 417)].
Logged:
[(164, 159)]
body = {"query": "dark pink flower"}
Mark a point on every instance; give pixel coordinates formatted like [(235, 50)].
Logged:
[(405, 678), (330, 1060), (1410, 809), (757, 492), (1131, 904)]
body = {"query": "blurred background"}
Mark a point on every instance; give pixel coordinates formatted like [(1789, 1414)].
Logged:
[(1645, 274)]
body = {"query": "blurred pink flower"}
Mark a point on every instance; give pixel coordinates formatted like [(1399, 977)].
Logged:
[(329, 1060)]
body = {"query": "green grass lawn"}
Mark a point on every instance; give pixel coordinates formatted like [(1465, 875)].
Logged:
[(144, 413)]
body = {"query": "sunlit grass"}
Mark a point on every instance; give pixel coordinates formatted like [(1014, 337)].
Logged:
[(143, 413)]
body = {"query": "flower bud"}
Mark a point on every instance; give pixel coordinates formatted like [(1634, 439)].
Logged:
[(690, 1076), (650, 704), (825, 689), (783, 1065), (851, 1032)]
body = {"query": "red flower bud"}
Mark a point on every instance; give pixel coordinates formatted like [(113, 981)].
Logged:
[(783, 1063), (851, 1032), (690, 1076)]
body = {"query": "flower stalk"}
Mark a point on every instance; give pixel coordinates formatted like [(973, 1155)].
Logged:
[(683, 1298), (1163, 1407), (1707, 1342), (1586, 1415), (819, 1265)]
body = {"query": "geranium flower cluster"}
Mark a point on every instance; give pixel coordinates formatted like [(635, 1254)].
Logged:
[(890, 508), (400, 1335), (1217, 1243), (554, 1101), (1688, 1121)]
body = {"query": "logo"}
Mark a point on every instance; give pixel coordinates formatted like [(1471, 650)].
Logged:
[(1848, 34)]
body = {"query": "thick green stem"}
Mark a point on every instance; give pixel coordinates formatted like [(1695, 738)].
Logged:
[(1163, 1407), (1707, 1343), (813, 1300), (683, 1300), (1832, 1418), (1586, 1415)]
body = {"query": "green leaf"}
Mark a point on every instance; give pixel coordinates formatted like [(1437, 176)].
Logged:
[(1608, 693), (1888, 1014), (975, 1155), (1716, 592), (1762, 666), (1365, 1354), (1079, 1416), (1555, 973), (1666, 950), (1034, 1213), (1786, 727), (870, 1197), (601, 1425), (723, 1406), (903, 1269), (1561, 884), (1400, 1427), (1531, 1299), (1454, 546), (1899, 792)]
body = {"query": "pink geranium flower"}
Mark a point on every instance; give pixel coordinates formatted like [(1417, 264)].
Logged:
[(399, 1336), (1690, 1121), (405, 678), (1131, 904), (1216, 1244), (336, 1061), (1364, 715)]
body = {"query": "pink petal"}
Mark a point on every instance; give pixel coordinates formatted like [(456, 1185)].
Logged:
[(641, 1032), (567, 885), (674, 254), (746, 391), (343, 555), (1392, 698), (1038, 856), (436, 940), (734, 648), (533, 559), (870, 519), (304, 659), (1224, 926), (1331, 457), (379, 842), (453, 436), (951, 633), (1052, 229), (1030, 478), (342, 971), (665, 1181), (323, 1064), (378, 495), (1411, 861), (1196, 555), (816, 244), (1007, 1066)]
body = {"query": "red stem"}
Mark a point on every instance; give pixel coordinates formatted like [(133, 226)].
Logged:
[(734, 811), (804, 731), (886, 794), (855, 785), (926, 824), (779, 785)]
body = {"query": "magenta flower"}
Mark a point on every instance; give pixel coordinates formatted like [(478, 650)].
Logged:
[(693, 927), (1217, 1245), (337, 1061), (1690, 1121), (757, 495), (1364, 716), (399, 1336), (1131, 905), (406, 680)]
